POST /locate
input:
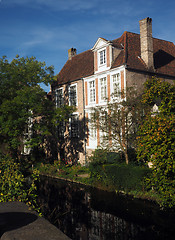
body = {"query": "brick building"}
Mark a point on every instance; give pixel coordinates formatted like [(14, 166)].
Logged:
[(88, 78)]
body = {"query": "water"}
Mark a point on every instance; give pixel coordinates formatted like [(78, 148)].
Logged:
[(87, 213)]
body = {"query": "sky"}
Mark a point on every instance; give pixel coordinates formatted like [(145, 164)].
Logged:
[(46, 29)]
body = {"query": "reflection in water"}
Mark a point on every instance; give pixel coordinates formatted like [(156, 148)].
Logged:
[(87, 213)]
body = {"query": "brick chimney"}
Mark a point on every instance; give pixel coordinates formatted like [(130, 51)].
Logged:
[(146, 42), (71, 53)]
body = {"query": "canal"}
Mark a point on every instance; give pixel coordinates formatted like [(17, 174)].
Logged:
[(86, 213)]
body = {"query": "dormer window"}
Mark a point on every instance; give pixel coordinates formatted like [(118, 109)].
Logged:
[(102, 57)]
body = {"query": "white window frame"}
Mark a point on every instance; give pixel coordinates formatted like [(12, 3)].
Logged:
[(102, 57), (56, 97), (103, 135), (28, 135), (71, 86), (116, 85), (103, 88), (92, 92), (92, 129)]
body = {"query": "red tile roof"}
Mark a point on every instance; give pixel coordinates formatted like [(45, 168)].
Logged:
[(82, 65), (164, 54)]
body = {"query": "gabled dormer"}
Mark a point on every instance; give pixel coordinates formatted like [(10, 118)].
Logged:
[(102, 55)]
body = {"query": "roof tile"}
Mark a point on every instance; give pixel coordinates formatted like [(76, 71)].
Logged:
[(82, 65)]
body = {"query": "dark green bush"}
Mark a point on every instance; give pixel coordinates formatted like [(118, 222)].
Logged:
[(14, 186), (132, 155), (98, 157), (126, 177), (109, 169), (102, 156), (115, 157)]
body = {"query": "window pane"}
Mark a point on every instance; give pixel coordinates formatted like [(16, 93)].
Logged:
[(92, 129), (103, 57), (61, 129), (74, 126), (92, 91), (72, 96), (116, 83), (59, 97), (103, 88)]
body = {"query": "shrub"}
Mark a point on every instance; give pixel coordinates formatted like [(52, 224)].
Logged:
[(14, 186), (108, 169), (156, 141), (115, 157), (98, 157), (126, 177), (102, 156)]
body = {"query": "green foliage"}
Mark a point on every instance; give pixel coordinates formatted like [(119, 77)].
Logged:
[(98, 157), (159, 92), (119, 176), (126, 177), (73, 172), (102, 156), (14, 186), (27, 116), (22, 101), (156, 143)]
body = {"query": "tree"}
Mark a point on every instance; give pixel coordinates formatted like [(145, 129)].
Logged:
[(27, 116), (156, 141), (118, 121)]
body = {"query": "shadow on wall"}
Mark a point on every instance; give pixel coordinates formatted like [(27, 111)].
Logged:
[(73, 142), (13, 220)]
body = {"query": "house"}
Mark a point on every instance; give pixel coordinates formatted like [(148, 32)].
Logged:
[(88, 78)]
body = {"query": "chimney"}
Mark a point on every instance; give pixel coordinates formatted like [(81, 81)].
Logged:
[(71, 53), (146, 42)]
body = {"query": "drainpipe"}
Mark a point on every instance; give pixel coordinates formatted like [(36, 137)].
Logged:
[(84, 123)]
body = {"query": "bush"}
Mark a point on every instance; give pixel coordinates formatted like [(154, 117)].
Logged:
[(132, 155), (98, 157), (14, 186), (156, 140), (115, 157), (126, 177), (108, 169), (102, 156)]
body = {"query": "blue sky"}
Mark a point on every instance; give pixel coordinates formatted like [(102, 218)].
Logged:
[(46, 29)]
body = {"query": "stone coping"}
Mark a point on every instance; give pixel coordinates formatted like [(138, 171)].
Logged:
[(17, 222)]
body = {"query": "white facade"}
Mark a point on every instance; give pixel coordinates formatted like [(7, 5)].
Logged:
[(100, 87)]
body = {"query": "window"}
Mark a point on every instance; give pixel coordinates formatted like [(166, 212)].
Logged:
[(92, 91), (59, 97), (92, 129), (103, 88), (102, 57), (115, 84), (28, 135), (61, 129), (73, 95), (74, 126), (115, 81), (104, 119)]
